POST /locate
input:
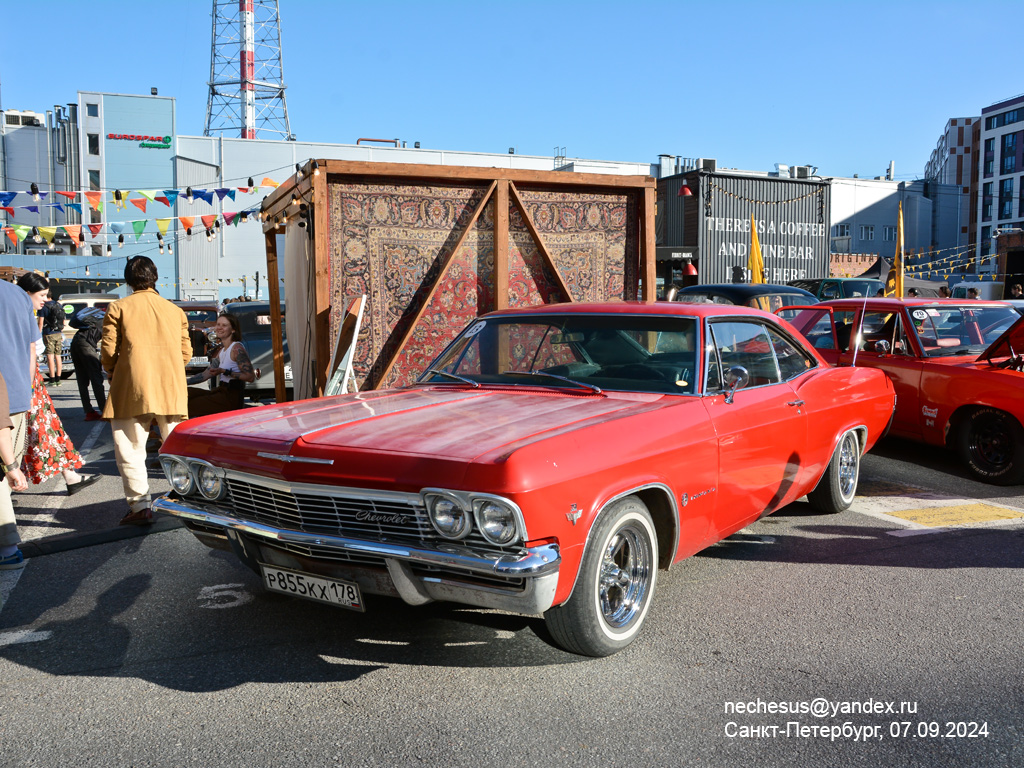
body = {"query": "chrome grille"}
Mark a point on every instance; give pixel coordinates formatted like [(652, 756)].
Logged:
[(371, 519)]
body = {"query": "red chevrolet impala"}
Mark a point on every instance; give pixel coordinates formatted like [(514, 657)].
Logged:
[(551, 461)]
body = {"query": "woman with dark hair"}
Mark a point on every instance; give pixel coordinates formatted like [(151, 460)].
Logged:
[(230, 365), (48, 449)]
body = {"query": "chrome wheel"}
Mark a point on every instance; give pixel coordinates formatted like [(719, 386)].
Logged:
[(615, 583), (625, 575), (849, 465)]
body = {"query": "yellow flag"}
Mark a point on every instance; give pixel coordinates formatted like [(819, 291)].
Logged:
[(894, 282), (755, 264)]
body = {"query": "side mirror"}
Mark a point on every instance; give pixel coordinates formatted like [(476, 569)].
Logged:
[(736, 378), (882, 347)]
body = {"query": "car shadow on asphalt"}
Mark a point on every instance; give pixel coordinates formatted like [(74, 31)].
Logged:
[(866, 545)]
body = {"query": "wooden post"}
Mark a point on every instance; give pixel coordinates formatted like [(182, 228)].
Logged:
[(647, 245), (273, 281), (321, 243), (501, 245)]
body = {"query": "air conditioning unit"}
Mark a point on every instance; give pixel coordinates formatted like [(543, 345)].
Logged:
[(802, 171), (707, 164)]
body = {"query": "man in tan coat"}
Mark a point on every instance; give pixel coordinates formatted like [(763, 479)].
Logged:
[(144, 349)]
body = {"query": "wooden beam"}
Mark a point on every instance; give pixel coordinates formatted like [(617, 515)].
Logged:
[(648, 250), (541, 246), (277, 340), (501, 244), (433, 288), (321, 241)]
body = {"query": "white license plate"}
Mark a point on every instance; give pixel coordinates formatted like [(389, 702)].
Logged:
[(333, 591)]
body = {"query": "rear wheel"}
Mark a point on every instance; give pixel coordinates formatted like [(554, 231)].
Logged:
[(838, 486), (614, 586), (991, 443)]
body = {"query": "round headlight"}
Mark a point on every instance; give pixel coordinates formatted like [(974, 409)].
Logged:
[(496, 522), (449, 518), (210, 483), (179, 476)]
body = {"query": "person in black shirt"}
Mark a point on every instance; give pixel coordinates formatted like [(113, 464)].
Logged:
[(85, 354)]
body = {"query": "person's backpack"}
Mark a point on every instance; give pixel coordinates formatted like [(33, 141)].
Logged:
[(54, 320)]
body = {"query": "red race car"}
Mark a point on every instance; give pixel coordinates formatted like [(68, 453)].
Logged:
[(956, 365), (550, 461)]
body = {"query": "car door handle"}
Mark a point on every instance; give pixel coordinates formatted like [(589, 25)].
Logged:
[(796, 403)]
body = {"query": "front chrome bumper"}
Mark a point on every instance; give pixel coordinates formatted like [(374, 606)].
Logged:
[(416, 574)]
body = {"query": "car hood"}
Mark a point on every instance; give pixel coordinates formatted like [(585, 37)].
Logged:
[(1009, 344), (457, 424)]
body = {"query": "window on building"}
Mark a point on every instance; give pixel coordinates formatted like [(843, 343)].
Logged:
[(867, 232), (1006, 199), (990, 122), (986, 240), (889, 233), (842, 230), (94, 180), (1009, 153), (1020, 212), (93, 140), (92, 110)]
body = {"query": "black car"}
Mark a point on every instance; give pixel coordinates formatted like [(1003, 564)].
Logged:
[(254, 323), (841, 287), (757, 295)]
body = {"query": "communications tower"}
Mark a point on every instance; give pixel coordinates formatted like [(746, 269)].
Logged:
[(246, 97)]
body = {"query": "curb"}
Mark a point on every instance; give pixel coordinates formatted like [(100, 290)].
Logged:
[(65, 542)]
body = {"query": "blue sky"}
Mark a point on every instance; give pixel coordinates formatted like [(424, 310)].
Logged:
[(846, 87)]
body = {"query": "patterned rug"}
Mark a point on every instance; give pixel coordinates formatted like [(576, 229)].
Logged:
[(390, 241)]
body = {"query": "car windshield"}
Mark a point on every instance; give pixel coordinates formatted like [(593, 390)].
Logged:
[(631, 353), (945, 330), (857, 288), (201, 315)]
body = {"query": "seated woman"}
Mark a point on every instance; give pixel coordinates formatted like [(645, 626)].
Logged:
[(230, 365)]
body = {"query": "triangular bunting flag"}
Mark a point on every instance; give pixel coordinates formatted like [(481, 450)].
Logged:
[(6, 198), (224, 192), (77, 207), (139, 203), (21, 230), (149, 194), (187, 221), (95, 228), (58, 207), (208, 220), (68, 195), (204, 194), (74, 230), (243, 190), (138, 226), (162, 225), (94, 199), (230, 218), (172, 196), (269, 182), (7, 209), (33, 208), (117, 227), (47, 233)]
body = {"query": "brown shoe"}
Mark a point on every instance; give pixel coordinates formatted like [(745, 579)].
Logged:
[(142, 517)]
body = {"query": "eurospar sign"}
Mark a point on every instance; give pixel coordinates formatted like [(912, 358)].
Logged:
[(146, 142)]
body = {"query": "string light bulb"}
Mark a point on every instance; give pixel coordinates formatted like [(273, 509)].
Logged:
[(109, 251), (209, 235), (188, 234), (86, 270), (120, 241), (252, 185), (160, 240), (36, 237), (244, 217), (34, 189), (316, 168), (188, 195)]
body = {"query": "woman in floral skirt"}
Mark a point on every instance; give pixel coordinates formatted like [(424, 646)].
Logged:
[(48, 449)]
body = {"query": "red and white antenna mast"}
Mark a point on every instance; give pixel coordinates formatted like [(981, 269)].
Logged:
[(246, 96)]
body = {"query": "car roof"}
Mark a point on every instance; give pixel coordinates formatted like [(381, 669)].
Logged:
[(746, 290), (195, 304), (678, 308)]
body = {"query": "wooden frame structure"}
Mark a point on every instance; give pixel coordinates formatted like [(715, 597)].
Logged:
[(310, 185)]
